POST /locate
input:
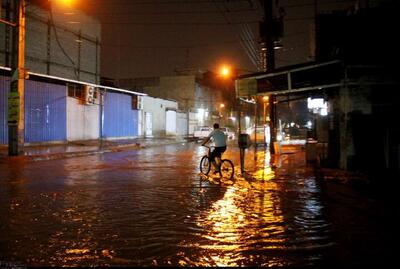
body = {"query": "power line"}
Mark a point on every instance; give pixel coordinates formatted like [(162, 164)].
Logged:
[(194, 45), (246, 45), (189, 46), (59, 44), (202, 12), (166, 2), (170, 23)]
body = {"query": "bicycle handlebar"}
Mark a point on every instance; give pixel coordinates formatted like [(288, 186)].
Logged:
[(208, 146)]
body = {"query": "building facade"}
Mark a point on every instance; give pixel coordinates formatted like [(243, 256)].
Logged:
[(357, 81), (63, 100), (198, 101), (63, 42), (159, 117), (57, 111)]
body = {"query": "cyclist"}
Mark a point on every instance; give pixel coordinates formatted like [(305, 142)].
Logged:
[(219, 139)]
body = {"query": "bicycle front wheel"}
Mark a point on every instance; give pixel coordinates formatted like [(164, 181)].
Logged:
[(205, 165), (227, 169)]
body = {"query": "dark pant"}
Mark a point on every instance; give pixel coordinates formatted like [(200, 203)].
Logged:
[(217, 152)]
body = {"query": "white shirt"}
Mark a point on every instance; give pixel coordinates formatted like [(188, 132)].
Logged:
[(218, 137)]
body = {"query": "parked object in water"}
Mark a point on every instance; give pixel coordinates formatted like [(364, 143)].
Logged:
[(259, 137), (202, 132), (228, 132)]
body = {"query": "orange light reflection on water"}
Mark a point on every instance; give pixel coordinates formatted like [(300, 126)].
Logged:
[(263, 169), (249, 214)]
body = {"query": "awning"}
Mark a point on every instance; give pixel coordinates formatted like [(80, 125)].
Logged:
[(299, 78)]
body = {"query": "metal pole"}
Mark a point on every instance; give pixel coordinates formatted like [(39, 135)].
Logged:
[(241, 150), (102, 96), (97, 61), (271, 124), (79, 41), (188, 123), (255, 127), (239, 115), (265, 122), (16, 112), (48, 47), (268, 6)]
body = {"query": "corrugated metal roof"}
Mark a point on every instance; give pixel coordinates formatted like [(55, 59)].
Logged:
[(79, 82)]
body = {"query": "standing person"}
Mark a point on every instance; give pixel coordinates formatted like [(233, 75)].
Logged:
[(219, 139)]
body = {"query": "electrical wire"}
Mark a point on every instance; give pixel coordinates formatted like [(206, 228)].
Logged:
[(252, 58), (250, 51), (59, 44), (244, 41), (170, 23), (200, 12), (250, 37)]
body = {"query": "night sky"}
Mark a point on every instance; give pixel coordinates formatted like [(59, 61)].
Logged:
[(157, 37), (152, 38)]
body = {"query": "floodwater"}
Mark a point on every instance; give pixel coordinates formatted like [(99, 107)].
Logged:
[(150, 207)]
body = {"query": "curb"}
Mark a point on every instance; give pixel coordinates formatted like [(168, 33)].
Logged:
[(61, 155), (64, 155)]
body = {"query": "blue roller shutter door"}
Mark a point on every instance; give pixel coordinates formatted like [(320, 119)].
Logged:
[(4, 90), (45, 112), (120, 120)]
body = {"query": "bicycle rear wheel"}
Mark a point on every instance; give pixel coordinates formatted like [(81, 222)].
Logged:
[(205, 165), (227, 169)]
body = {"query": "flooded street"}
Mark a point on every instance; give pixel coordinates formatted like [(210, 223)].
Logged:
[(151, 207)]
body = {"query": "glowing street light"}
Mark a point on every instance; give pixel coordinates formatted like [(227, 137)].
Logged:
[(68, 3), (225, 71)]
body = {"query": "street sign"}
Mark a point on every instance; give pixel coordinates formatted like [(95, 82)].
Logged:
[(13, 100), (13, 108), (246, 87)]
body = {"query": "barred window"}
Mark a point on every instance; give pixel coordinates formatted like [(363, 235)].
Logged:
[(134, 102), (75, 90)]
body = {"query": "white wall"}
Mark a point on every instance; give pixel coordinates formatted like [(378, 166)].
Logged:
[(182, 124), (157, 107), (171, 122), (83, 121), (193, 122)]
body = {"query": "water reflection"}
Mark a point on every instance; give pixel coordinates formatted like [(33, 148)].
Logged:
[(254, 223), (147, 208)]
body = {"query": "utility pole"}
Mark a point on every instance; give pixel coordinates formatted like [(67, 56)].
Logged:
[(255, 126), (268, 34), (16, 111), (270, 55)]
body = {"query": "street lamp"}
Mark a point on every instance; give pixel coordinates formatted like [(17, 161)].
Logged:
[(67, 2), (225, 71), (62, 2)]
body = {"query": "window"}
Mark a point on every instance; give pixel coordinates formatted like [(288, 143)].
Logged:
[(134, 102), (75, 91)]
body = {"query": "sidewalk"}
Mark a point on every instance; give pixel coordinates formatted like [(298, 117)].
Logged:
[(87, 147)]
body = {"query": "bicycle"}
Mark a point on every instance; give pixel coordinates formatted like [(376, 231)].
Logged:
[(225, 166)]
